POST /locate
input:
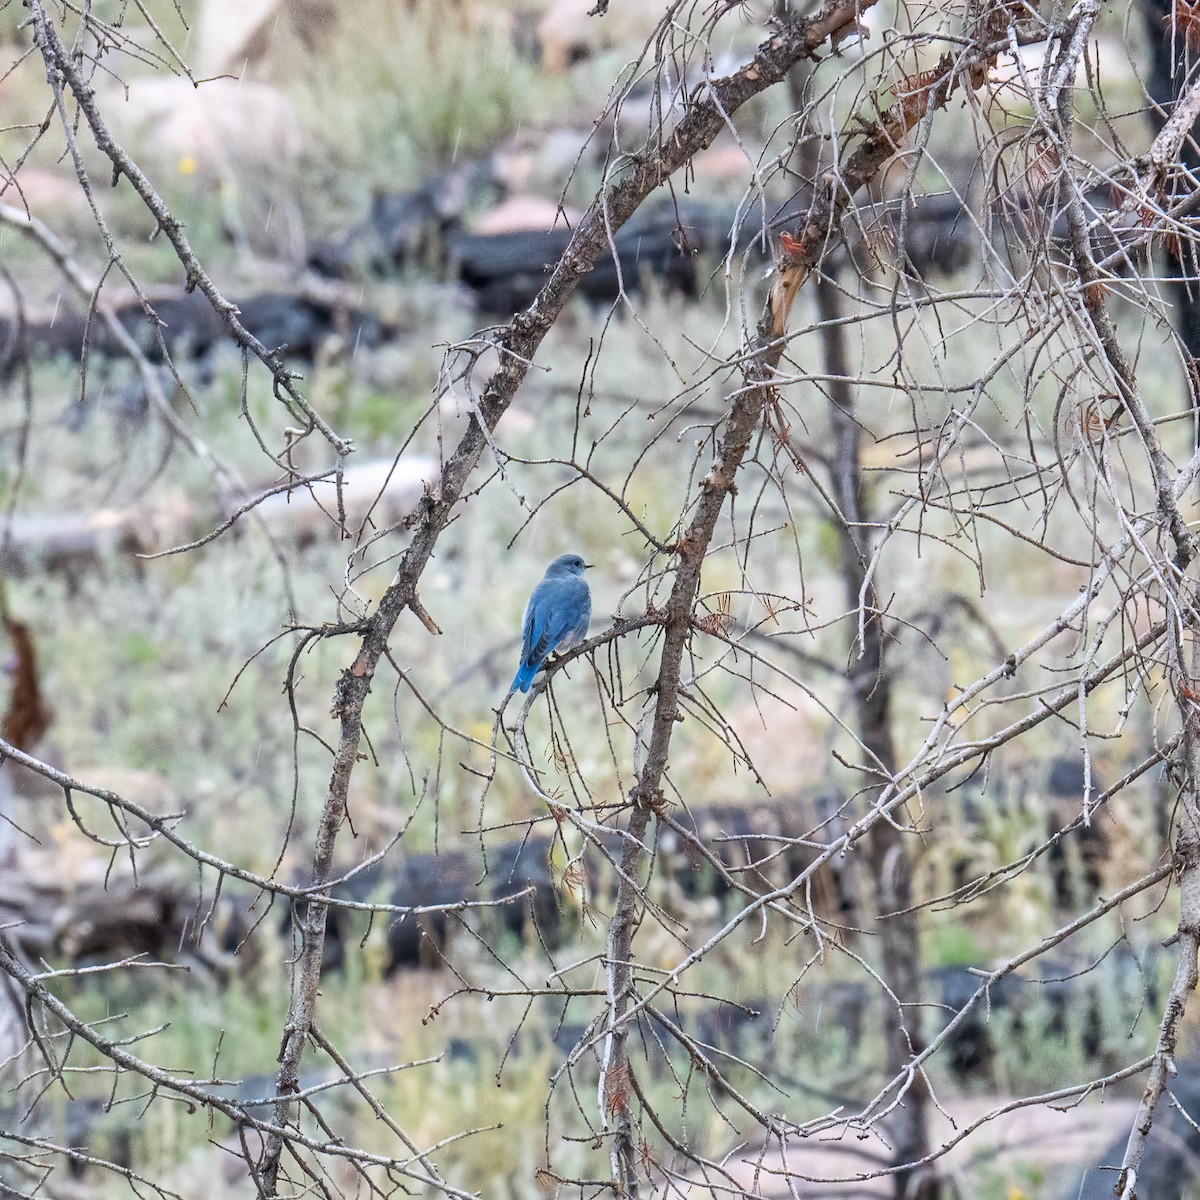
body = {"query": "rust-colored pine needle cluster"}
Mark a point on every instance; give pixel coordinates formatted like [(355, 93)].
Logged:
[(1186, 19)]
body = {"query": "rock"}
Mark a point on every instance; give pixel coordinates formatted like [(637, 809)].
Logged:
[(205, 132)]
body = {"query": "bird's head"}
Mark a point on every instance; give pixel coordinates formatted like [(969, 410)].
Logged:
[(567, 564)]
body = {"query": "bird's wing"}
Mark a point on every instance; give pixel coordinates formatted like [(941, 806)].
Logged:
[(553, 612), (531, 628)]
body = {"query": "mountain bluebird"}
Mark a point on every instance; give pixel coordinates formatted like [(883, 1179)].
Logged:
[(556, 617)]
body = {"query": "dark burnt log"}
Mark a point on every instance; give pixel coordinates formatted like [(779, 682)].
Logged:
[(343, 926), (422, 939), (679, 245), (970, 1050), (761, 846), (418, 939), (1069, 1007), (1077, 863), (426, 229), (731, 836), (190, 328), (408, 229), (442, 882), (1171, 1165), (506, 270), (676, 245), (522, 865)]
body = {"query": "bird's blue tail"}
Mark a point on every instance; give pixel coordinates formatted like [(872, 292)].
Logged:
[(524, 676)]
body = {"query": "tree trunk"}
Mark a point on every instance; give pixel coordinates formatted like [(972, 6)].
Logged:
[(1164, 79), (871, 691)]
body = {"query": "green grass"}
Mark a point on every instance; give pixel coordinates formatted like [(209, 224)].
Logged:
[(434, 84), (175, 632)]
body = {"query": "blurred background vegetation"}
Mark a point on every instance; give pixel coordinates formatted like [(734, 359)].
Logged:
[(164, 676)]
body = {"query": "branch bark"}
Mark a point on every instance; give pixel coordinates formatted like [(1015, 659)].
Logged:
[(1186, 939)]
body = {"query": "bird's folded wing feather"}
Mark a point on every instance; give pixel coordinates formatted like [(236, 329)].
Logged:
[(548, 631), (549, 618)]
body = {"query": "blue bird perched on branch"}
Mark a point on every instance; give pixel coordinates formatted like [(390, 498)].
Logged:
[(556, 617)]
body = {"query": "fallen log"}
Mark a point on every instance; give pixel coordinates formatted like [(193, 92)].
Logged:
[(48, 917), (670, 242), (376, 495), (430, 229), (507, 270), (673, 243), (61, 543), (301, 321)]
